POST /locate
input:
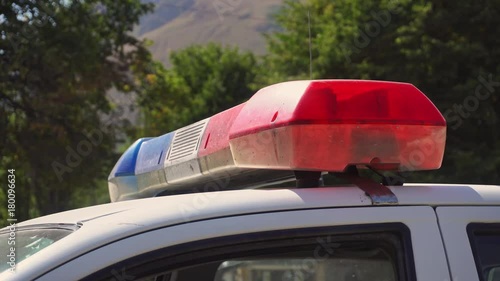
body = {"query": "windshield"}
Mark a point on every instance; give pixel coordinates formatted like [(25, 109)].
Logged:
[(20, 244)]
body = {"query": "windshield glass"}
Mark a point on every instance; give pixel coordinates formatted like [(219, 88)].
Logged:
[(20, 244)]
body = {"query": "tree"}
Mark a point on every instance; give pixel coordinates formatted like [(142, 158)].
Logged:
[(58, 60), (448, 49), (203, 80)]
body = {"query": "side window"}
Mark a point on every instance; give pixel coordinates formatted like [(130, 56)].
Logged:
[(346, 262), (290, 255), (485, 243)]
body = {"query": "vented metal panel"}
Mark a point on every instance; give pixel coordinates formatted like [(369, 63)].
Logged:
[(186, 141)]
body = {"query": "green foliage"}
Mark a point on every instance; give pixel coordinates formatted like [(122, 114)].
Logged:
[(203, 80), (446, 48), (58, 59), (346, 36)]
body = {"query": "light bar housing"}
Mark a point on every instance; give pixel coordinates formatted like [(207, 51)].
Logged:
[(316, 125)]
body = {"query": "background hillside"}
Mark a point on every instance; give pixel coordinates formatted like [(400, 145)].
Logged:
[(175, 25)]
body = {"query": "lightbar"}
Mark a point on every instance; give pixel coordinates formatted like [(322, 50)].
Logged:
[(316, 125)]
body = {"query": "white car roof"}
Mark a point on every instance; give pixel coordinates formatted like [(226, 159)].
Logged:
[(162, 211), (107, 223)]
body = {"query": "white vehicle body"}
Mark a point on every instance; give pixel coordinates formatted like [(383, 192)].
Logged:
[(435, 215)]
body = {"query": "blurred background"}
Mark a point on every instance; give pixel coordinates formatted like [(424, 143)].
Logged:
[(80, 80)]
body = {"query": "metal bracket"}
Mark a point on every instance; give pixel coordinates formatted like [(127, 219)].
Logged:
[(378, 193)]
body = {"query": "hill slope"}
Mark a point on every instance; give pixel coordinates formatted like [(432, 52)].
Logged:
[(177, 24)]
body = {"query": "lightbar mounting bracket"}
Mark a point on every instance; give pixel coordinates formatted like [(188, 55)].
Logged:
[(379, 193)]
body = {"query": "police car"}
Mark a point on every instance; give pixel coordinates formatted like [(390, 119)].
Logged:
[(244, 195)]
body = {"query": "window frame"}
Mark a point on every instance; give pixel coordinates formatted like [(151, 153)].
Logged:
[(259, 243), (473, 229)]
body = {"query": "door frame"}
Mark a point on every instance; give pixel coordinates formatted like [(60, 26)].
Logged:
[(420, 220)]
